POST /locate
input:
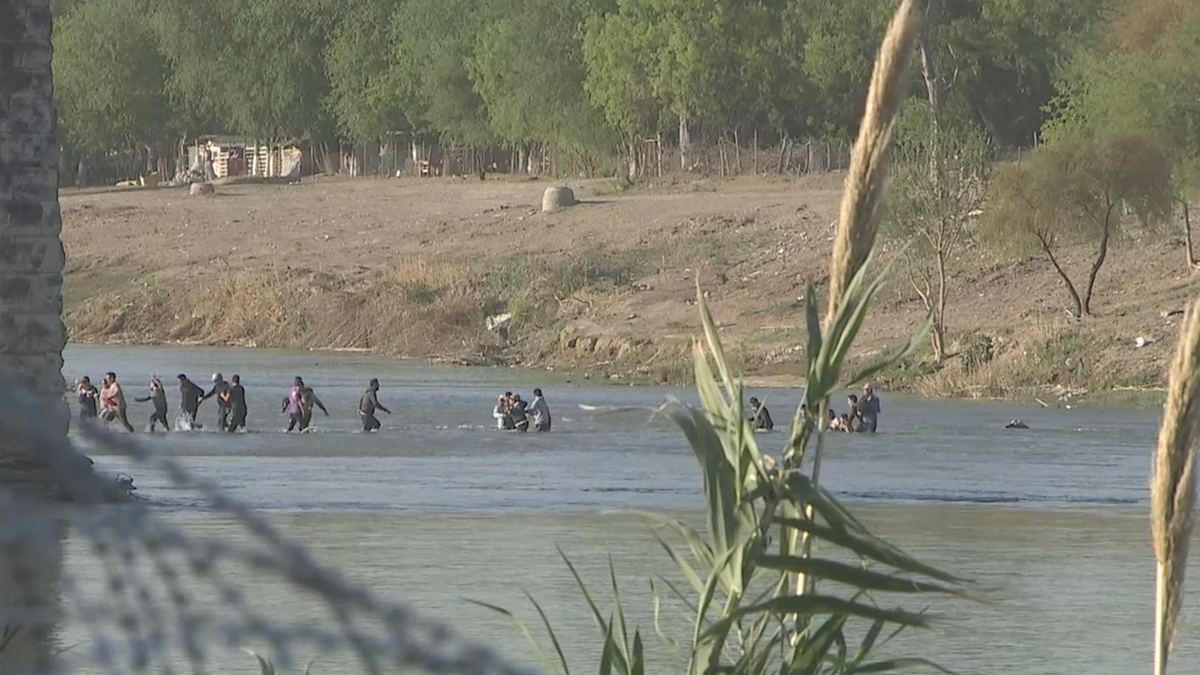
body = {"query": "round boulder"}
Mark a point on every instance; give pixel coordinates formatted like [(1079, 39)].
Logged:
[(201, 189), (556, 198)]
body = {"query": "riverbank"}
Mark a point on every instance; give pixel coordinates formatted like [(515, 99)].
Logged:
[(604, 289)]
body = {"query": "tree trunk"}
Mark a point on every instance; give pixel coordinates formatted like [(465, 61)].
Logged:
[(1187, 233), (1101, 255), (32, 335), (929, 70), (685, 142), (939, 311), (1075, 301)]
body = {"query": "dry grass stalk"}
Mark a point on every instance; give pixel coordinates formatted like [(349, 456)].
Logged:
[(866, 182), (1173, 485), (867, 177)]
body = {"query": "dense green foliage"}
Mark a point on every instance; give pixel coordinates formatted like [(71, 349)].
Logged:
[(574, 77)]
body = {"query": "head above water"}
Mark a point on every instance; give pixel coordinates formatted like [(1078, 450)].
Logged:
[(297, 381), (867, 389), (216, 377), (236, 379), (516, 397), (508, 394), (85, 380), (374, 383), (852, 398), (182, 377), (110, 376), (537, 392), (753, 401)]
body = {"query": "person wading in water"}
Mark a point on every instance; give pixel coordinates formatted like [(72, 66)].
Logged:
[(159, 396), (235, 400), (113, 399), (190, 396), (308, 399), (367, 406), (220, 388), (88, 395), (293, 406)]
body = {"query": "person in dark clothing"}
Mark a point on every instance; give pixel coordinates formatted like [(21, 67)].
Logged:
[(189, 402), (235, 400), (220, 387), (308, 399), (519, 417), (762, 416), (88, 400), (368, 404), (508, 408), (158, 395)]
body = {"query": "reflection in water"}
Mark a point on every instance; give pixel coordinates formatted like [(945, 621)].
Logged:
[(439, 506)]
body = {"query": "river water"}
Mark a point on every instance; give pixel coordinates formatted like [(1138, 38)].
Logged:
[(439, 506)]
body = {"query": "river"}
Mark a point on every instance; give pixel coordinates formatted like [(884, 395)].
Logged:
[(439, 506)]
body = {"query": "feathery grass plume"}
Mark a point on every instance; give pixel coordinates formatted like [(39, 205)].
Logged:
[(867, 177), (1173, 485), (858, 222)]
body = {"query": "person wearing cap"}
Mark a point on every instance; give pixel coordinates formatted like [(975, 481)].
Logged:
[(761, 419), (539, 411), (220, 390), (158, 395), (367, 406), (869, 409), (190, 396)]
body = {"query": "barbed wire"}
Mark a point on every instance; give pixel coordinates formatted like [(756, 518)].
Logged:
[(149, 613)]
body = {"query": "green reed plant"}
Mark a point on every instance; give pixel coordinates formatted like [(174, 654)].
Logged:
[(763, 600)]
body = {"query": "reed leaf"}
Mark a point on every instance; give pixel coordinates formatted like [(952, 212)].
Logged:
[(1173, 485), (529, 638), (851, 575), (814, 604), (868, 546), (897, 664)]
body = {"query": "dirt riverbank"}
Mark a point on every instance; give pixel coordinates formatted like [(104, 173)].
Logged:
[(606, 288)]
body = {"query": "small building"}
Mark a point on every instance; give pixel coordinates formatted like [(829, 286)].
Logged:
[(235, 157)]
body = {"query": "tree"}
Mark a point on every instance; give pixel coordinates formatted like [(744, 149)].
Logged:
[(110, 78), (32, 335), (1078, 191), (255, 69), (1150, 86), (939, 178), (433, 43), (528, 68), (677, 49), (358, 62)]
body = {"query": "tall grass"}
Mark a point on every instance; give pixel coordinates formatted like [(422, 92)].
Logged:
[(1173, 486), (763, 600)]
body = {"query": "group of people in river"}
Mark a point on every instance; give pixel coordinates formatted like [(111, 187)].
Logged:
[(512, 413), (863, 416), (108, 404)]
